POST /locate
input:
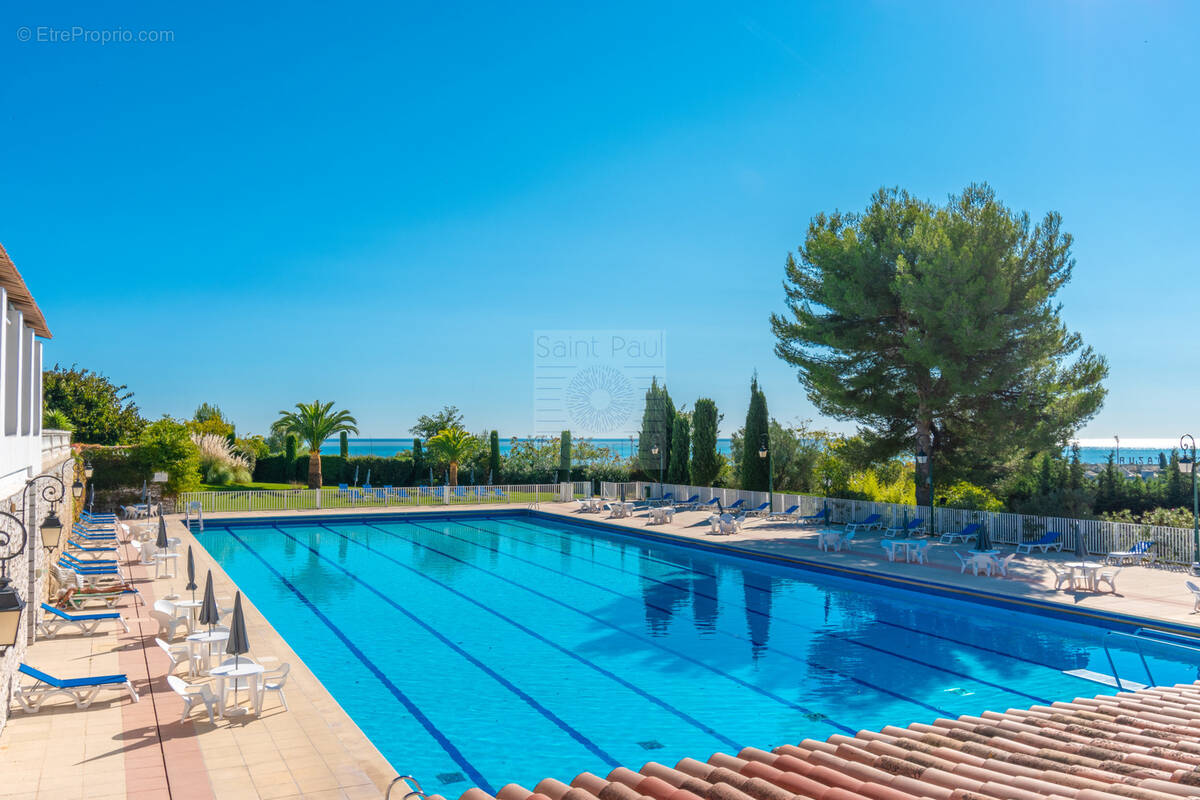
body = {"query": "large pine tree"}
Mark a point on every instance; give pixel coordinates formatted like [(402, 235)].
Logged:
[(755, 470), (706, 464), (915, 320)]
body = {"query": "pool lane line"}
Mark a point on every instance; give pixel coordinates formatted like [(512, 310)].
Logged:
[(452, 751), (756, 689), (532, 702), (974, 646), (781, 651), (663, 704)]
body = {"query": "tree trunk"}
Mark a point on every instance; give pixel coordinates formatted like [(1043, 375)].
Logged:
[(454, 473), (314, 470), (924, 429)]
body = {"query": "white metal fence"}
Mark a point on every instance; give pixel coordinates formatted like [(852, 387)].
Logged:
[(1173, 545), (380, 496)]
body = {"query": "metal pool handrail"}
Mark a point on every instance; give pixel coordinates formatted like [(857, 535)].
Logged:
[(1151, 636), (416, 792)]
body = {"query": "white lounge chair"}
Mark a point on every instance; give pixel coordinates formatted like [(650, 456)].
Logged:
[(81, 690), (273, 681), (192, 694)]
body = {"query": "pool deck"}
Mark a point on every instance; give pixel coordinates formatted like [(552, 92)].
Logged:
[(118, 748)]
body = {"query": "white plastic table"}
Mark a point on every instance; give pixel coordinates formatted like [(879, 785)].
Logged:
[(206, 640), (828, 538), (192, 606), (911, 547), (1085, 569), (248, 670)]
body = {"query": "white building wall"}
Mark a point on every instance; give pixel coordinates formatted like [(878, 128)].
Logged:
[(20, 390)]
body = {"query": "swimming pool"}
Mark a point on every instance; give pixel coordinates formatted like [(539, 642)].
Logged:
[(483, 649)]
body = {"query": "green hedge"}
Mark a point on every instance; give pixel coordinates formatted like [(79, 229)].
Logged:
[(335, 470)]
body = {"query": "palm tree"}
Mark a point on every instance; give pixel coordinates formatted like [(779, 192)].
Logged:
[(314, 423), (456, 446)]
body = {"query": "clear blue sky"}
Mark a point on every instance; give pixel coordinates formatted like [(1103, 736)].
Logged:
[(378, 204)]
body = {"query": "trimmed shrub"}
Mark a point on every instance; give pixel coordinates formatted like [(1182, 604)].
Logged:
[(564, 457), (343, 446)]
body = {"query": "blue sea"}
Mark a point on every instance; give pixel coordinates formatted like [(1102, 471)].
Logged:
[(622, 447), (390, 447)]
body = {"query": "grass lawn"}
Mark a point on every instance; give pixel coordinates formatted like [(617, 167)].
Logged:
[(241, 487), (227, 498)]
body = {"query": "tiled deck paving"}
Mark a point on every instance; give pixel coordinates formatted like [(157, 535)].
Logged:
[(1143, 745)]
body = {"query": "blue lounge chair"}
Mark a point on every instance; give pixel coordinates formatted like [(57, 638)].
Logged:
[(459, 491), (82, 690), (969, 532), (88, 569), (813, 519), (1138, 553), (735, 506), (1049, 539), (343, 489), (71, 558), (872, 522), (90, 549), (691, 504), (54, 619), (790, 514), (104, 518), (499, 492), (915, 524), (93, 533), (761, 510), (712, 504)]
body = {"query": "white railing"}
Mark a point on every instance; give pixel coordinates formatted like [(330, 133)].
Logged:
[(1173, 545), (56, 445), (376, 497)]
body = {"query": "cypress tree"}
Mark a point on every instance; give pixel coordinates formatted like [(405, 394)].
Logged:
[(494, 455), (1176, 493), (418, 457), (343, 445), (658, 421), (289, 449), (705, 462), (680, 441), (564, 457), (754, 469), (1075, 473)]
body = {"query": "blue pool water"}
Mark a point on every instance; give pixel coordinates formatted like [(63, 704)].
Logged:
[(483, 650)]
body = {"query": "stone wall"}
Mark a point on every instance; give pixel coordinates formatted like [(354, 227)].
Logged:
[(28, 571)]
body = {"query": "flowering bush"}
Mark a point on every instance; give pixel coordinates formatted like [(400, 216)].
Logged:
[(219, 464)]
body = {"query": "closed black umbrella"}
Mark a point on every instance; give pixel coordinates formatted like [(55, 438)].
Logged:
[(983, 541), (191, 568), (91, 497), (210, 614), (238, 643), (161, 542), (1081, 551)]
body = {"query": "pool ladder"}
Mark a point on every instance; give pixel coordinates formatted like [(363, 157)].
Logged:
[(416, 791), (1143, 636)]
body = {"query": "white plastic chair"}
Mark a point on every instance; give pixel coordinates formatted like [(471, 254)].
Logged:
[(273, 681), (167, 623), (963, 562), (1195, 590), (192, 695), (178, 653), (1109, 576), (1061, 577), (1002, 564)]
